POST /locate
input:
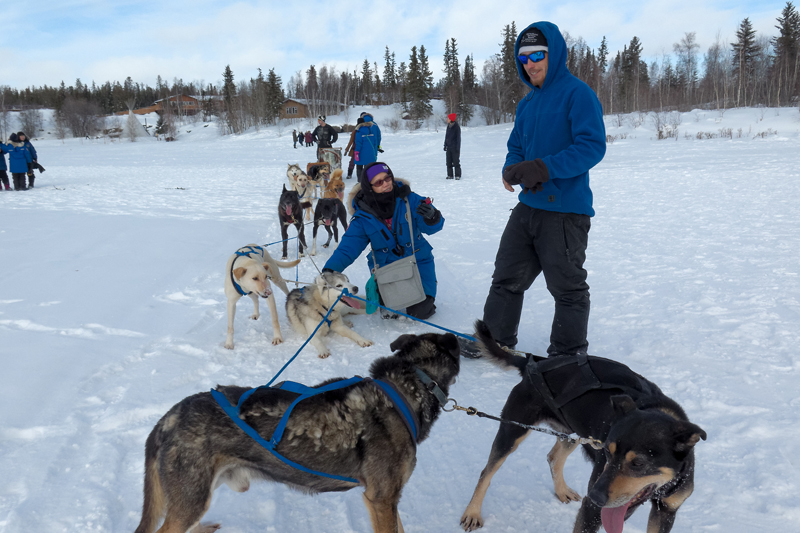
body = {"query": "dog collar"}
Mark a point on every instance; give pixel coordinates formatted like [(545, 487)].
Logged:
[(431, 386)]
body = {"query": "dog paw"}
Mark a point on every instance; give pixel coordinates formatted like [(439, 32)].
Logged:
[(348, 323), (255, 316), (364, 343), (471, 522), (284, 258), (324, 355), (229, 345), (277, 340), (567, 495), (324, 245), (205, 528)]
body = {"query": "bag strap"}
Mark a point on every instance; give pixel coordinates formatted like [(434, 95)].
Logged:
[(410, 229)]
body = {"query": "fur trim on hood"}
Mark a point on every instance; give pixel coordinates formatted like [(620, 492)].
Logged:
[(357, 188)]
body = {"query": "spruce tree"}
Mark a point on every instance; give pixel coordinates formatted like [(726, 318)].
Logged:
[(787, 49), (744, 52)]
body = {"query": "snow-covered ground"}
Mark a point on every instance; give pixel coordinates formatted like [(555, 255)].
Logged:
[(112, 310)]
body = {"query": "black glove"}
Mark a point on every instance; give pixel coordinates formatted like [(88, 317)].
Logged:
[(530, 174), (380, 149), (324, 270), (445, 148), (430, 214)]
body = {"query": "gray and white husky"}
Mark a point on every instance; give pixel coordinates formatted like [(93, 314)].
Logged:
[(307, 306)]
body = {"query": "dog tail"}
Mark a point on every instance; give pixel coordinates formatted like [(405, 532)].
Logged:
[(154, 505), (494, 353), (288, 264)]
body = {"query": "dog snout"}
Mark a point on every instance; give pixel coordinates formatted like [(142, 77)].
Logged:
[(598, 495)]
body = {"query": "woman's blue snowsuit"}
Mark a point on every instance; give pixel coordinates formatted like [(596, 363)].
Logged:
[(368, 139), (18, 157), (365, 228)]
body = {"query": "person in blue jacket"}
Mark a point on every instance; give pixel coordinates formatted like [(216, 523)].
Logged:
[(31, 150), (558, 136), (367, 142), (3, 168), (18, 160), (379, 219)]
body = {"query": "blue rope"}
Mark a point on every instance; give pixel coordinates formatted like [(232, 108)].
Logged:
[(464, 335), (344, 291)]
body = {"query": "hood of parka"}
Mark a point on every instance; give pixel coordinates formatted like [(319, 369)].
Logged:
[(556, 54)]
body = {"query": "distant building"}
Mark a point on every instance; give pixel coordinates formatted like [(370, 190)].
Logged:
[(181, 105), (301, 108)]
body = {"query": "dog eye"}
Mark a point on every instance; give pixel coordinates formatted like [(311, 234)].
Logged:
[(637, 462)]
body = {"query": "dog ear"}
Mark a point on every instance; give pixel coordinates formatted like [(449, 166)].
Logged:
[(449, 343), (686, 435), (284, 187), (239, 272), (401, 342), (267, 267), (622, 404)]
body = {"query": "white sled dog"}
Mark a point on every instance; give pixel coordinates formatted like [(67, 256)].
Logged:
[(307, 306), (293, 172), (248, 273)]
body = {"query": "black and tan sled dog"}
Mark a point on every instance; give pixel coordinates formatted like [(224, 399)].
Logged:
[(290, 212), (353, 432), (648, 451)]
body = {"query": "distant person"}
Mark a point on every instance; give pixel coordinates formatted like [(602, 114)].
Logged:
[(308, 138), (294, 138), (18, 160), (34, 158), (349, 150), (324, 135), (379, 219), (3, 168), (452, 145), (367, 144), (558, 135)]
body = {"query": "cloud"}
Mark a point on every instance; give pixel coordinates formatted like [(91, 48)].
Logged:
[(46, 42)]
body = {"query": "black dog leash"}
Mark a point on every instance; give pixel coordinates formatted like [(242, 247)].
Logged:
[(591, 441)]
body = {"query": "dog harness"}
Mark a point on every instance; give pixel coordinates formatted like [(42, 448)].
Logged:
[(239, 253), (536, 370), (397, 400)]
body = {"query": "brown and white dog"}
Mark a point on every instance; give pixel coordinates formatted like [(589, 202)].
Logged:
[(335, 187), (248, 273)]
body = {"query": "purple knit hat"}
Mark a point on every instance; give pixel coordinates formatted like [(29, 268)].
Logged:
[(376, 169)]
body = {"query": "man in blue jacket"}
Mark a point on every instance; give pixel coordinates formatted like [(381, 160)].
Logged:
[(558, 136)]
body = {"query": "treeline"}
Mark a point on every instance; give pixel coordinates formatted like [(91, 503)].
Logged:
[(754, 70)]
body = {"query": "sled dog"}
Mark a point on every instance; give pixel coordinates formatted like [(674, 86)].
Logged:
[(293, 172), (327, 211), (290, 212), (250, 275), (648, 451), (305, 308), (353, 432)]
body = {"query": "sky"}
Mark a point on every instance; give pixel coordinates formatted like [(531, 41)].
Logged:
[(47, 41)]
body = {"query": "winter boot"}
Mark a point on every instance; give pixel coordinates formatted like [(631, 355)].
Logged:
[(31, 177), (449, 177), (4, 181), (469, 348)]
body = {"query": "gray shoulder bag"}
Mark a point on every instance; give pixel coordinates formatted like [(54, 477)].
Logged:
[(399, 282)]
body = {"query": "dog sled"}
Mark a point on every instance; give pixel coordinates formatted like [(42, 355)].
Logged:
[(332, 156)]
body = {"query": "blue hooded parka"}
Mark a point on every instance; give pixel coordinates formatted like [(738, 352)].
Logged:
[(560, 123), (368, 139), (18, 157), (365, 228)]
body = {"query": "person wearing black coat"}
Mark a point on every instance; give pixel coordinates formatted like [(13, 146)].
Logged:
[(452, 145), (324, 135)]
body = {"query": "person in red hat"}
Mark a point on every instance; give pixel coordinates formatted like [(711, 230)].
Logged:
[(452, 145)]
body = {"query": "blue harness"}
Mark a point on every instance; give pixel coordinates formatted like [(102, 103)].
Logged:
[(399, 402), (253, 249)]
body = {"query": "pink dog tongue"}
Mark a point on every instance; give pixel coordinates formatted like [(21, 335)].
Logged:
[(614, 518), (351, 302), (289, 210)]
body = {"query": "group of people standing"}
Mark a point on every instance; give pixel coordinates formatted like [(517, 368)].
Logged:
[(303, 138), (558, 136), (22, 159)]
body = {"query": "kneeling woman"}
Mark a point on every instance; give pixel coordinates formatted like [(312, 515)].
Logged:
[(379, 219)]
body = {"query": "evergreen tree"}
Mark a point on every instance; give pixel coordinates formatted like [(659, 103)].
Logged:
[(787, 53), (744, 52), (452, 80), (228, 86), (275, 96), (366, 82), (468, 90)]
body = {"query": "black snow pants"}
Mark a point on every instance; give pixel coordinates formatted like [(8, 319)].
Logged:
[(536, 241), (453, 163)]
